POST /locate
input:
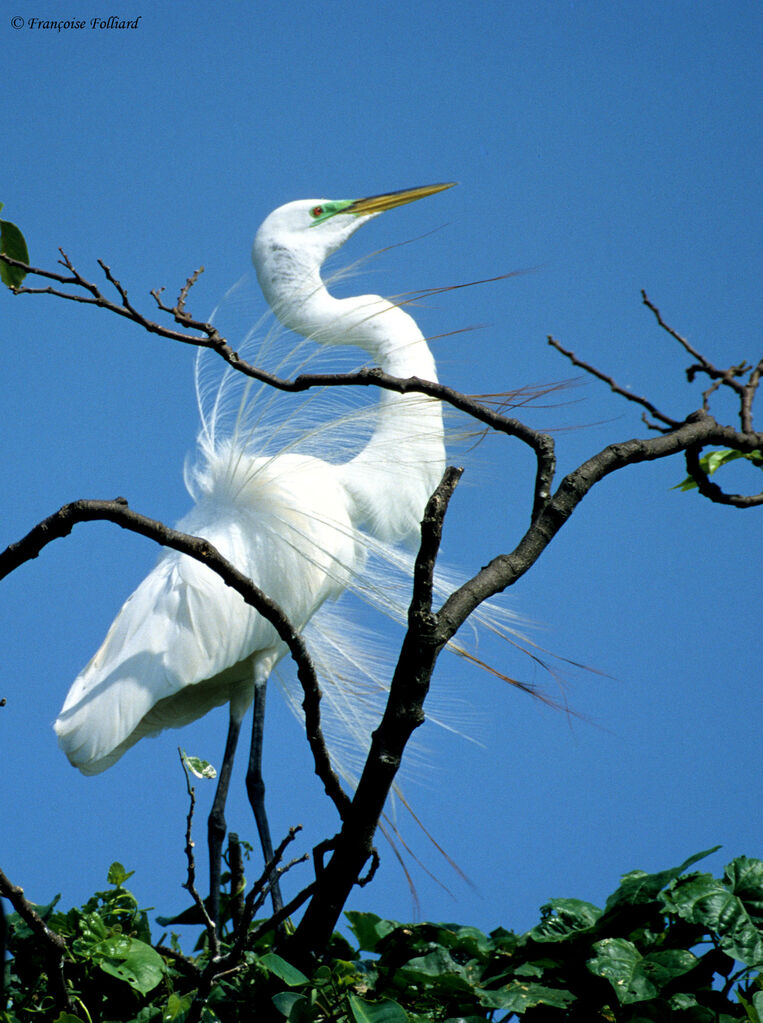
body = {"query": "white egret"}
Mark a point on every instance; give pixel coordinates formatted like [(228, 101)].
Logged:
[(299, 526)]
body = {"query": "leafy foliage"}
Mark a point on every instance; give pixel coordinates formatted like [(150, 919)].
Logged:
[(667, 946)]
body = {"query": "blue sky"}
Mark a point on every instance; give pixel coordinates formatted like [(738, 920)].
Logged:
[(612, 147)]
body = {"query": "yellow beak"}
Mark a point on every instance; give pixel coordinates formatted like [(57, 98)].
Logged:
[(379, 203)]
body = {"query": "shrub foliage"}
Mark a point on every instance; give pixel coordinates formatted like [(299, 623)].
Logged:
[(674, 945)]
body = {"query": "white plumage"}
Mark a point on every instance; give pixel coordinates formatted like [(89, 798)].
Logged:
[(301, 527), (185, 642)]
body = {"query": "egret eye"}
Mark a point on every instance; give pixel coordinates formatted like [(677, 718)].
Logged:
[(316, 211)]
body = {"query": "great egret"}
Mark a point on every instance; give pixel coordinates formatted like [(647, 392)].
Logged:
[(299, 526)]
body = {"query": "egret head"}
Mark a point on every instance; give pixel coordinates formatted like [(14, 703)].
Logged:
[(309, 230)]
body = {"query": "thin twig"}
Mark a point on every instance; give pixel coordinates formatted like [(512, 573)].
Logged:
[(212, 339), (182, 297), (255, 898), (220, 966), (720, 377), (613, 385), (190, 883), (750, 390), (703, 362)]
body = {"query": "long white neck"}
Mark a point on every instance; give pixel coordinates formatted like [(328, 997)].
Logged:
[(391, 479)]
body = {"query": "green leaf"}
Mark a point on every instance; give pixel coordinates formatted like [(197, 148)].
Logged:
[(619, 961), (745, 878), (285, 971), (637, 978), (369, 929), (518, 997), (208, 1016), (563, 917), (386, 1011), (703, 900), (440, 968), (93, 928), (176, 1007), (683, 1001), (118, 875), (464, 940), (756, 1009), (638, 887), (285, 1002), (130, 960), (198, 767), (12, 244)]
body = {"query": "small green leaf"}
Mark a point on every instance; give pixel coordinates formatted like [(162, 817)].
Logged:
[(436, 963), (756, 1009), (198, 767), (745, 878), (208, 1016), (176, 1007), (12, 244), (683, 1001), (118, 875)]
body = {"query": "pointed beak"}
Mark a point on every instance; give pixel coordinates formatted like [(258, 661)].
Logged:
[(379, 203)]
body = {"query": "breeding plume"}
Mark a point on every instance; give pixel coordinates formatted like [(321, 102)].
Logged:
[(300, 526)]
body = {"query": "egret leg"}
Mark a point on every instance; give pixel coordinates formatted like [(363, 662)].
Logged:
[(255, 785), (216, 822)]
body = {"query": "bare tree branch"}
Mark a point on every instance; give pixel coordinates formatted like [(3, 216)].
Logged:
[(503, 571), (404, 712), (721, 377)]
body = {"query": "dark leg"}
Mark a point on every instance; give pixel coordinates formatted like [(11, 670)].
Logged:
[(216, 821), (255, 786)]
